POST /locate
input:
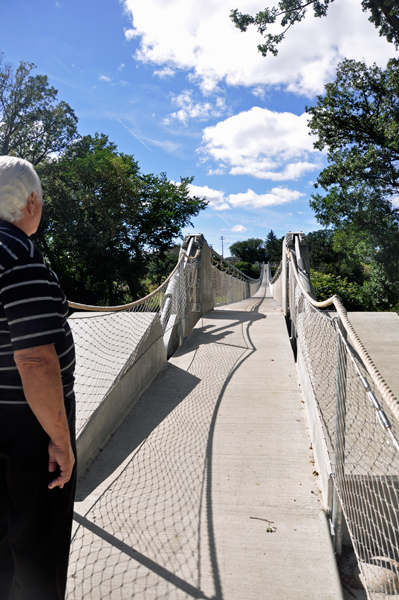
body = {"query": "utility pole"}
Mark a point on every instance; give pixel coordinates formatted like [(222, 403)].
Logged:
[(222, 238)]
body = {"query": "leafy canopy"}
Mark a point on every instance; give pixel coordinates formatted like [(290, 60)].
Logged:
[(33, 125), (249, 251), (358, 122), (383, 13), (103, 220)]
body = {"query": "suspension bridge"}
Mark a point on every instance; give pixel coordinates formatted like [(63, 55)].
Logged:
[(226, 456)]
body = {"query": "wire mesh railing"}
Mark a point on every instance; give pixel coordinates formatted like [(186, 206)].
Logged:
[(110, 340), (276, 284), (359, 418), (229, 284)]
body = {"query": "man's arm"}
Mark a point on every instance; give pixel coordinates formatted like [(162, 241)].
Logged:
[(39, 369)]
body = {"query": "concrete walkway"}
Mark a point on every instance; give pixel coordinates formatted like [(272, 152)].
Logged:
[(206, 490)]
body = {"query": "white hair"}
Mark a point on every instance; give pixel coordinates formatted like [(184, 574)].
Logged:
[(18, 179)]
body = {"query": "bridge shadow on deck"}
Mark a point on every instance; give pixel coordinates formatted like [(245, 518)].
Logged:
[(149, 532)]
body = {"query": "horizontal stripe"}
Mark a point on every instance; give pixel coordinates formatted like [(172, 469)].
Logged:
[(38, 299), (40, 334), (14, 402), (32, 317), (6, 346), (28, 266), (11, 387), (10, 368), (29, 282)]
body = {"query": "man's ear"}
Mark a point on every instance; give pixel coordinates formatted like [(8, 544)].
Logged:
[(31, 203)]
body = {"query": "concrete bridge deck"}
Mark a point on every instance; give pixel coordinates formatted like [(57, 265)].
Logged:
[(207, 489)]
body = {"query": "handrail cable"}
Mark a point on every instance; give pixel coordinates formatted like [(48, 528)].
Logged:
[(374, 373), (136, 302), (230, 266)]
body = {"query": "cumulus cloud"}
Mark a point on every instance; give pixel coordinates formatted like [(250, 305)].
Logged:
[(238, 229), (189, 109), (263, 144), (216, 198), (249, 199), (121, 66), (276, 197), (164, 73), (104, 78), (201, 39)]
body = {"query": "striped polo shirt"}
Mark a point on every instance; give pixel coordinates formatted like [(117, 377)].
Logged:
[(33, 312)]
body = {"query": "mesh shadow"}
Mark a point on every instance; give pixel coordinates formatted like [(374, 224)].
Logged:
[(152, 408)]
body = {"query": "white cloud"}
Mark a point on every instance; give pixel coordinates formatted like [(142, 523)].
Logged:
[(259, 92), (121, 66), (263, 144), (276, 197), (104, 78), (165, 72), (201, 39), (239, 229), (219, 201), (189, 109), (215, 198)]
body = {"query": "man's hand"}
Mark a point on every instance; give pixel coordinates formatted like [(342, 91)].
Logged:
[(62, 456)]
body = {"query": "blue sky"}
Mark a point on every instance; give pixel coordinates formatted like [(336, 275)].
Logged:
[(175, 84)]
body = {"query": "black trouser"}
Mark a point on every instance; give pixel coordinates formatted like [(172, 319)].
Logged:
[(35, 522)]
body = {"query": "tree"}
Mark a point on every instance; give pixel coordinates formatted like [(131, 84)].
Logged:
[(251, 250), (383, 13), (250, 270), (32, 124), (358, 122), (274, 247), (103, 220), (325, 257), (161, 265)]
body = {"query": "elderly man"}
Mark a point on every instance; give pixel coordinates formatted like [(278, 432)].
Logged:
[(37, 409)]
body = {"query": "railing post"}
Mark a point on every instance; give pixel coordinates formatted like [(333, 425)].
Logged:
[(339, 446), (284, 276)]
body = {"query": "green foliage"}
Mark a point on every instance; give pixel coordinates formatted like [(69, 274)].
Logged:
[(327, 285), (249, 269), (383, 13), (32, 124), (358, 121), (103, 220), (251, 250), (160, 267), (274, 247), (326, 257), (371, 296)]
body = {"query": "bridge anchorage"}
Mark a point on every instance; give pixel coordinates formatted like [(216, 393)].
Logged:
[(197, 475)]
